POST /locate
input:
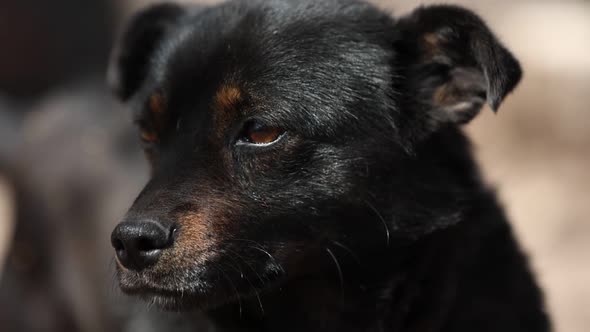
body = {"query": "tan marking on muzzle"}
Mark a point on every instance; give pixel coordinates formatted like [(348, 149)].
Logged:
[(193, 244)]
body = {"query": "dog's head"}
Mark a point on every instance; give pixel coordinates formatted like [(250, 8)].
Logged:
[(277, 130)]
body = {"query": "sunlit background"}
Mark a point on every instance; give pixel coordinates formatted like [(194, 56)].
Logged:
[(70, 163)]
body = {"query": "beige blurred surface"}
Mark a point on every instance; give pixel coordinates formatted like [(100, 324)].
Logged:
[(6, 218)]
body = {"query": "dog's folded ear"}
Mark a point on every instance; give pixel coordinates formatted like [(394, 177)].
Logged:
[(453, 64), (131, 57)]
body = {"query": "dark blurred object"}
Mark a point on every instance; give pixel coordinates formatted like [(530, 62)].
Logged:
[(76, 167), (73, 161), (45, 43)]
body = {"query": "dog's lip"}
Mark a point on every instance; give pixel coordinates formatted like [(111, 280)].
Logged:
[(147, 291), (140, 284), (170, 299)]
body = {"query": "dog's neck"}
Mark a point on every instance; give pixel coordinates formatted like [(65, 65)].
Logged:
[(416, 270), (360, 302)]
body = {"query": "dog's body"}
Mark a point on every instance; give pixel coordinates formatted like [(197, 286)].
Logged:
[(309, 172)]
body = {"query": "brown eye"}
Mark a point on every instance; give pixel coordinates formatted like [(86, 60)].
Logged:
[(258, 133)]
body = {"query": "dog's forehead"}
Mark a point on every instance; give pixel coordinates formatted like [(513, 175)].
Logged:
[(289, 54), (263, 37)]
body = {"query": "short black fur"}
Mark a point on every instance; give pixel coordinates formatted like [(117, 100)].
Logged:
[(366, 213)]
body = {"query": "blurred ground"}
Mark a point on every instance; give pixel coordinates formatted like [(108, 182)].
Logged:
[(535, 151), (6, 217)]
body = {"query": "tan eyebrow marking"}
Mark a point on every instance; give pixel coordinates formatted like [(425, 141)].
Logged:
[(157, 103), (227, 97), (225, 106)]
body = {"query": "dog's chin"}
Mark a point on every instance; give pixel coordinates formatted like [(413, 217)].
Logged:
[(171, 296), (171, 302), (177, 300), (198, 289), (203, 294)]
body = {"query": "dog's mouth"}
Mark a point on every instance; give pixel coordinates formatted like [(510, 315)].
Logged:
[(170, 296), (204, 288), (156, 290), (172, 300)]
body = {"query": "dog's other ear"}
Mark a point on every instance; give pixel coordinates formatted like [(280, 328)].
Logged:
[(453, 64), (131, 57)]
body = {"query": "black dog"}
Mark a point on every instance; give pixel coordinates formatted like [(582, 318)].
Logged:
[(309, 172)]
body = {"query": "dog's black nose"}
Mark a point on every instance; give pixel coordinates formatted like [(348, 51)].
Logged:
[(139, 243)]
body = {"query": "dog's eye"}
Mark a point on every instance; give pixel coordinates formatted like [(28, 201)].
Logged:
[(148, 136), (257, 133)]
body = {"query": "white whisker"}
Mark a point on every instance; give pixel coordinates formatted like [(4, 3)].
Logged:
[(382, 220), (339, 271)]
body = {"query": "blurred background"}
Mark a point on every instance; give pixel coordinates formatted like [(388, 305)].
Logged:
[(70, 164)]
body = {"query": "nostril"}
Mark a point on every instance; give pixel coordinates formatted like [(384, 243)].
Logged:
[(117, 244), (147, 244), (139, 243)]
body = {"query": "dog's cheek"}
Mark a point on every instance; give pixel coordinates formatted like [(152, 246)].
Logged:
[(331, 177), (303, 177)]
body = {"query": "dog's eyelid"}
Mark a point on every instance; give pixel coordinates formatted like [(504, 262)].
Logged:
[(257, 133), (246, 143)]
